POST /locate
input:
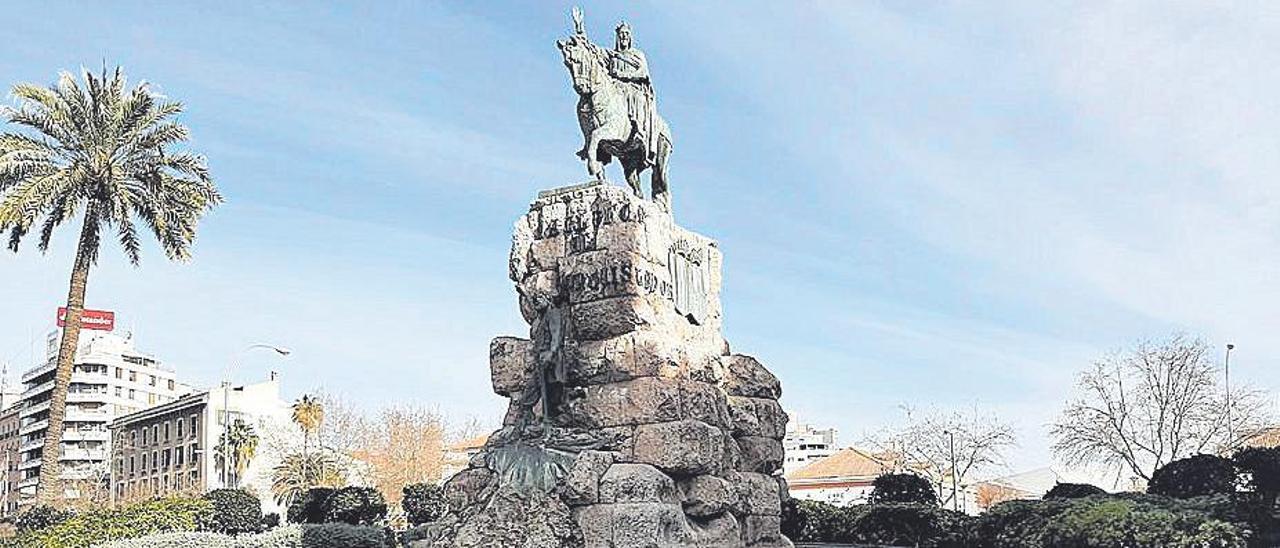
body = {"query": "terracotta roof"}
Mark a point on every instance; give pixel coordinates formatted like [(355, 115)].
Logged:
[(1263, 437), (468, 444), (846, 463)]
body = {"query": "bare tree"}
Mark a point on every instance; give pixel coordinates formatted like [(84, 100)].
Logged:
[(926, 442), (1138, 410), (407, 446)]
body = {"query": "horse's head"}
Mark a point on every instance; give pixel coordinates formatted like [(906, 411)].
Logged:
[(585, 66)]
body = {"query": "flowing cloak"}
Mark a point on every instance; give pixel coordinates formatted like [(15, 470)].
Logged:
[(631, 70)]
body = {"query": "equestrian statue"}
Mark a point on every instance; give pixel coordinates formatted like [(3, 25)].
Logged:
[(617, 110)]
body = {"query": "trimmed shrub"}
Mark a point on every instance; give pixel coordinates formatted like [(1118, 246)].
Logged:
[(235, 511), (355, 506), (270, 521), (909, 525), (1194, 476), (341, 535), (39, 517), (1073, 491), (423, 502), (310, 507), (133, 521), (903, 489), (1261, 468)]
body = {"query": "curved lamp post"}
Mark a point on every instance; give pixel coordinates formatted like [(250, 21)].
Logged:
[(226, 400)]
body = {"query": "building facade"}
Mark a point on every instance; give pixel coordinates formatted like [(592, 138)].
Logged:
[(842, 479), (110, 378), (804, 444), (173, 448), (9, 443)]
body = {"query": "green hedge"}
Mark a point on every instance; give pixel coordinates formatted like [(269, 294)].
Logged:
[(100, 526), (355, 506), (1131, 521), (423, 502)]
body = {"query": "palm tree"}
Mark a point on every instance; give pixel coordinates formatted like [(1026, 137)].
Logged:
[(308, 414), (299, 472), (102, 152), (240, 443)]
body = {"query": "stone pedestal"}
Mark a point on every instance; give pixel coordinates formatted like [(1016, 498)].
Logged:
[(630, 423)]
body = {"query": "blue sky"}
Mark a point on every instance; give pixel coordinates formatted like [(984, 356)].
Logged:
[(932, 204)]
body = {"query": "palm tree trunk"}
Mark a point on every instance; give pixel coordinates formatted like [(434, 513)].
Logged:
[(49, 489)]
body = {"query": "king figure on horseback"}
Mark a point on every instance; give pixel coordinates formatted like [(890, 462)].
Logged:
[(617, 110)]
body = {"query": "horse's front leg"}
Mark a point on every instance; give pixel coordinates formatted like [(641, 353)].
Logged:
[(594, 166)]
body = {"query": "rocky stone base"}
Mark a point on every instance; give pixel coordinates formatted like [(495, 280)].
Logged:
[(630, 423)]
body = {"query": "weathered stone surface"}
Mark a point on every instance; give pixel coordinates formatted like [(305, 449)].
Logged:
[(468, 488), (705, 496), (510, 365), (760, 417), (511, 519), (748, 378), (681, 447), (704, 402), (605, 318), (638, 401), (721, 530), (764, 532), (649, 525), (758, 494), (636, 483), (582, 484), (763, 455)]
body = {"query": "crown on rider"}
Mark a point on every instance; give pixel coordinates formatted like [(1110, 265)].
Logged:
[(621, 27)]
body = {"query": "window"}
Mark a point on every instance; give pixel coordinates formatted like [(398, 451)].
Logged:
[(195, 427), (144, 436), (165, 460), (178, 457), (155, 460), (155, 433), (131, 468), (133, 376), (166, 431), (132, 392), (171, 384), (133, 437), (178, 425), (153, 380), (119, 373)]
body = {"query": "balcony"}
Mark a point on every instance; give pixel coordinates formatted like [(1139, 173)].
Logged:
[(31, 445), (81, 415), (75, 434), (41, 370), (83, 396), (33, 409), (34, 427), (29, 482), (29, 464), (83, 454), (37, 389)]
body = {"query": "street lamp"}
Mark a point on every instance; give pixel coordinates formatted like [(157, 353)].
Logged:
[(226, 400), (955, 494), (1231, 433)]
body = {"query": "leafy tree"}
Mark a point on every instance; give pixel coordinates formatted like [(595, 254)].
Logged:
[(239, 444), (298, 474), (1261, 466), (1194, 476), (102, 152), (1157, 403), (903, 489), (39, 517), (1073, 491), (423, 502), (308, 414)]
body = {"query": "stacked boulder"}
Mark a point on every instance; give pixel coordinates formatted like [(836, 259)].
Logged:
[(630, 423)]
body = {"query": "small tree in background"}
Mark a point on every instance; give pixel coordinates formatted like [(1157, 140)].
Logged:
[(922, 445), (1073, 491), (1261, 468), (1194, 476), (903, 489), (423, 503)]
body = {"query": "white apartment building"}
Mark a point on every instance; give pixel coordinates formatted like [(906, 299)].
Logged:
[(171, 448), (804, 444), (111, 378)]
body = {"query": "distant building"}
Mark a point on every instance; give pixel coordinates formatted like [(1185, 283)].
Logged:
[(9, 443), (172, 448), (458, 455), (805, 444), (843, 478), (1029, 485), (110, 378)]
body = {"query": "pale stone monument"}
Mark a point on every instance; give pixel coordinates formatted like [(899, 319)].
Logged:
[(630, 424)]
